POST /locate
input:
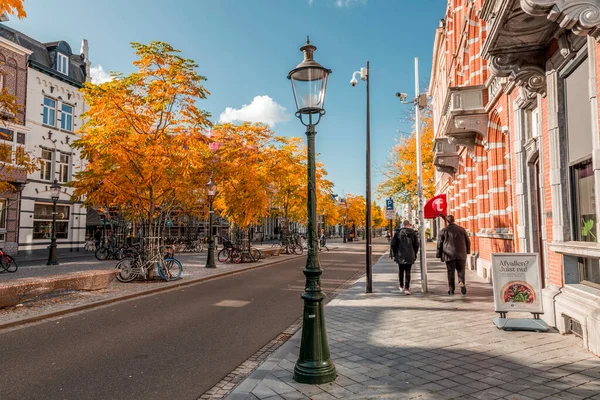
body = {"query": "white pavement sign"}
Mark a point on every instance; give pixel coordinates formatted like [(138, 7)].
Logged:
[(390, 214), (516, 279)]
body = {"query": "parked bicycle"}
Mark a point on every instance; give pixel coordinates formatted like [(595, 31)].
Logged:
[(7, 263), (141, 266), (229, 253), (115, 252)]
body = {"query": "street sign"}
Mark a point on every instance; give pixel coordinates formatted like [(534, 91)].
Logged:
[(389, 205), (390, 214)]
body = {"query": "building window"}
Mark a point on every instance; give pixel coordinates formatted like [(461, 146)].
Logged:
[(63, 167), (49, 112), (42, 221), (2, 213), (66, 120), (584, 200), (46, 165), (62, 64)]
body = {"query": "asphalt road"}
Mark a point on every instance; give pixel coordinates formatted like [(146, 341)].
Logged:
[(174, 344)]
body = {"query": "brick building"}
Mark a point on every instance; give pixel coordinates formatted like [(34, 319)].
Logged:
[(13, 133), (517, 146)]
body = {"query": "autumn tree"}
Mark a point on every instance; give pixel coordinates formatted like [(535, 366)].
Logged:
[(140, 133), (242, 171), (13, 7), (352, 210), (401, 169), (378, 218)]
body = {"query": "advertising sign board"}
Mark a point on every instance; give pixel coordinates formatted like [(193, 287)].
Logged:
[(516, 280)]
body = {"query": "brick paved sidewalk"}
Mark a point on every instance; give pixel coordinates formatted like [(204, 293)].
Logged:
[(434, 346)]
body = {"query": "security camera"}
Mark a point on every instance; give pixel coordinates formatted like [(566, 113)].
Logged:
[(353, 82), (401, 96)]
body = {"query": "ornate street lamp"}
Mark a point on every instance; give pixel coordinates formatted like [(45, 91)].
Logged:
[(211, 190), (54, 195), (309, 82)]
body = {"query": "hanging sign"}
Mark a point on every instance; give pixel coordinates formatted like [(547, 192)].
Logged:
[(436, 206), (516, 282)]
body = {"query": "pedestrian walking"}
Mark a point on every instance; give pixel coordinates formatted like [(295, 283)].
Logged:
[(323, 240), (453, 246), (405, 246)]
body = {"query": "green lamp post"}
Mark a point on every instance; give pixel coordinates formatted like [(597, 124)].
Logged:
[(211, 190), (314, 366)]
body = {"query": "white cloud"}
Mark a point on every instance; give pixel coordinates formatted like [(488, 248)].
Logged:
[(310, 2), (99, 75), (349, 3), (262, 109)]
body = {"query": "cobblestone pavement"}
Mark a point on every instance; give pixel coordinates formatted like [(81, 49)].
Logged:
[(429, 346)]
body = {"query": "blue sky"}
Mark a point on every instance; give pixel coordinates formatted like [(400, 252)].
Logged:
[(246, 48)]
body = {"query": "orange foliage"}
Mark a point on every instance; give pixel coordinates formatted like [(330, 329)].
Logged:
[(13, 7)]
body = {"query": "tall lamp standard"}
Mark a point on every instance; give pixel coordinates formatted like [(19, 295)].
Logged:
[(211, 190), (364, 75), (54, 195), (309, 83), (420, 102)]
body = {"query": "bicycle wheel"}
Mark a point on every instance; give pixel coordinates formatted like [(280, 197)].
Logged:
[(256, 254), (236, 256), (9, 263), (298, 250), (102, 253), (170, 269), (126, 269), (223, 255)]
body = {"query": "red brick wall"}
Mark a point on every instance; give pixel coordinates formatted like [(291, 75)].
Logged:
[(13, 67)]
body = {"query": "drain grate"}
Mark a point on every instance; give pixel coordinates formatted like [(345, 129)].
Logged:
[(574, 327)]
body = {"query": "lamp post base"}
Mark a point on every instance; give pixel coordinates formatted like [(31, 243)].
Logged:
[(210, 258), (52, 256), (314, 365)]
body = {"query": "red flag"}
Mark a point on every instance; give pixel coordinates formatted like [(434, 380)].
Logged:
[(436, 206)]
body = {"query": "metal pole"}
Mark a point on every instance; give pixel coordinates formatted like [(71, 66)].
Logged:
[(423, 256), (368, 229), (314, 365), (52, 255), (210, 257)]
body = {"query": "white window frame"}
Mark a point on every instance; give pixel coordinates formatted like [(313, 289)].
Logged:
[(60, 166), (62, 63), (46, 165), (65, 116), (49, 111)]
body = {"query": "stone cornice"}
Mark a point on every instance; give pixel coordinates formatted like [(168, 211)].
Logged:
[(580, 16), (525, 70)]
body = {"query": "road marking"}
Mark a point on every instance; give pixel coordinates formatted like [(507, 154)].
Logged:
[(232, 303)]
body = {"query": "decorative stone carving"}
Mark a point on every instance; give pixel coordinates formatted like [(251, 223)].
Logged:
[(524, 69), (580, 16)]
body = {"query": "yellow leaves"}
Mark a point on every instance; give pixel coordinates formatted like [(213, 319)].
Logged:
[(13, 7), (141, 137), (401, 170)]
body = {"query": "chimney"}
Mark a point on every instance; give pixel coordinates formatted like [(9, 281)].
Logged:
[(85, 55)]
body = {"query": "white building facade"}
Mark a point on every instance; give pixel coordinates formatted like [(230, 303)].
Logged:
[(54, 108)]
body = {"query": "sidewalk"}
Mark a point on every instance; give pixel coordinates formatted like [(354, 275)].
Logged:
[(429, 346)]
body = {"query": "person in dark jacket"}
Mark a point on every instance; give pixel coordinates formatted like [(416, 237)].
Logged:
[(453, 246), (405, 246)]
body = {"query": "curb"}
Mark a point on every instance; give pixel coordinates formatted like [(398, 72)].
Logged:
[(42, 317)]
